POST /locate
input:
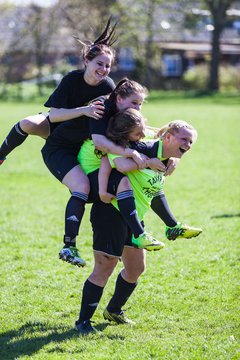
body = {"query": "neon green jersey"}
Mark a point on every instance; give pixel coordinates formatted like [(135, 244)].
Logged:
[(87, 157), (145, 183)]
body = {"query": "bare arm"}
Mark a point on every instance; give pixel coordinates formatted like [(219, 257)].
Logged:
[(105, 145), (156, 165), (94, 110), (103, 176), (125, 165), (171, 165)]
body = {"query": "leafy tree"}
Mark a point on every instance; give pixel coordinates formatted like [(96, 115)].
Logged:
[(218, 10)]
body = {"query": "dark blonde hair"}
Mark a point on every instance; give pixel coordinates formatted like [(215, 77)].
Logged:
[(102, 45), (174, 126), (121, 124)]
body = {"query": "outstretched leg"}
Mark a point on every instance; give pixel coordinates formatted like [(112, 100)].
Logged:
[(174, 229), (31, 125)]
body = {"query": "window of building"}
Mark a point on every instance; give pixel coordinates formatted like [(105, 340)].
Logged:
[(171, 65)]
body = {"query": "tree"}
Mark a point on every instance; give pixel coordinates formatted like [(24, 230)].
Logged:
[(218, 10), (41, 25)]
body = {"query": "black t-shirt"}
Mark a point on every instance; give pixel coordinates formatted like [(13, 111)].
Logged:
[(149, 149), (100, 126), (73, 92)]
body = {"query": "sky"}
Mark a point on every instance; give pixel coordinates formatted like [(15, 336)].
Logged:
[(26, 2)]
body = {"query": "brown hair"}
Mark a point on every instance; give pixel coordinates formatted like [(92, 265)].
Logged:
[(126, 88), (121, 124), (102, 45)]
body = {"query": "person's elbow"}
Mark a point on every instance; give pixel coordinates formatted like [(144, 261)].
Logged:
[(54, 114), (100, 143), (124, 166)]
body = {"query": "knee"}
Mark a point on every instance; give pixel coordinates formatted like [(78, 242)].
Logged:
[(103, 269), (131, 274), (84, 187), (124, 184), (79, 183), (28, 126)]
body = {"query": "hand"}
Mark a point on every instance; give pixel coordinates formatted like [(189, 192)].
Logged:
[(171, 166), (140, 159), (156, 165), (106, 197), (95, 109)]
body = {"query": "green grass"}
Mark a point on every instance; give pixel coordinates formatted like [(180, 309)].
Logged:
[(186, 304)]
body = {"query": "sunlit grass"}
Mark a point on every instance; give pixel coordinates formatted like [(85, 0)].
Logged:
[(186, 304)]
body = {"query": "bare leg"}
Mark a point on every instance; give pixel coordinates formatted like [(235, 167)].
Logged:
[(134, 261), (103, 268), (36, 125)]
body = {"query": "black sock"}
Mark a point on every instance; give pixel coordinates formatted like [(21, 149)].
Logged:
[(73, 217), (15, 138), (91, 296), (160, 206), (122, 292), (127, 207)]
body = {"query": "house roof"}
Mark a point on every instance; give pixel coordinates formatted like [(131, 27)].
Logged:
[(202, 47)]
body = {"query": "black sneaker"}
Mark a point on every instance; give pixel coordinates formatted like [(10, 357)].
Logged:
[(85, 327)]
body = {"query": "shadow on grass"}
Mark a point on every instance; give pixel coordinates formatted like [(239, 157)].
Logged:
[(33, 336), (225, 216)]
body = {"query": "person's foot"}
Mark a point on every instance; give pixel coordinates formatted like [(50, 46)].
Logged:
[(182, 231), (72, 256), (117, 318), (85, 327), (2, 160), (147, 242)]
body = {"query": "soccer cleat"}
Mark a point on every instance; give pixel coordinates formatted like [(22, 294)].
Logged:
[(118, 318), (72, 256), (85, 327), (147, 242), (182, 231), (2, 160)]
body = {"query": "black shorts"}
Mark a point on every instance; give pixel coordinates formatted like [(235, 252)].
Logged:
[(110, 231), (59, 162), (113, 182), (52, 126)]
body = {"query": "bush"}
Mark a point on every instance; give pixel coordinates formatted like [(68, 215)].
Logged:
[(197, 77)]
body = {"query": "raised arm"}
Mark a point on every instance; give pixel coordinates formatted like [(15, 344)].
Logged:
[(105, 145)]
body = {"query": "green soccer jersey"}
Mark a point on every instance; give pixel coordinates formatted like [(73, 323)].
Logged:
[(145, 183), (87, 158)]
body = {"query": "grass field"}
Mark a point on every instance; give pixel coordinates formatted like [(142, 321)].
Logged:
[(186, 304)]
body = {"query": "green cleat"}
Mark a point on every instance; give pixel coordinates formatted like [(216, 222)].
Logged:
[(147, 242), (117, 318), (71, 256), (182, 231)]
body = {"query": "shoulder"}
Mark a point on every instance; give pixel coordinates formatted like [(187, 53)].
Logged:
[(75, 75), (110, 82)]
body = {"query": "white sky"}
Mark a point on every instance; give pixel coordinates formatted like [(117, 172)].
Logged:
[(25, 2)]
